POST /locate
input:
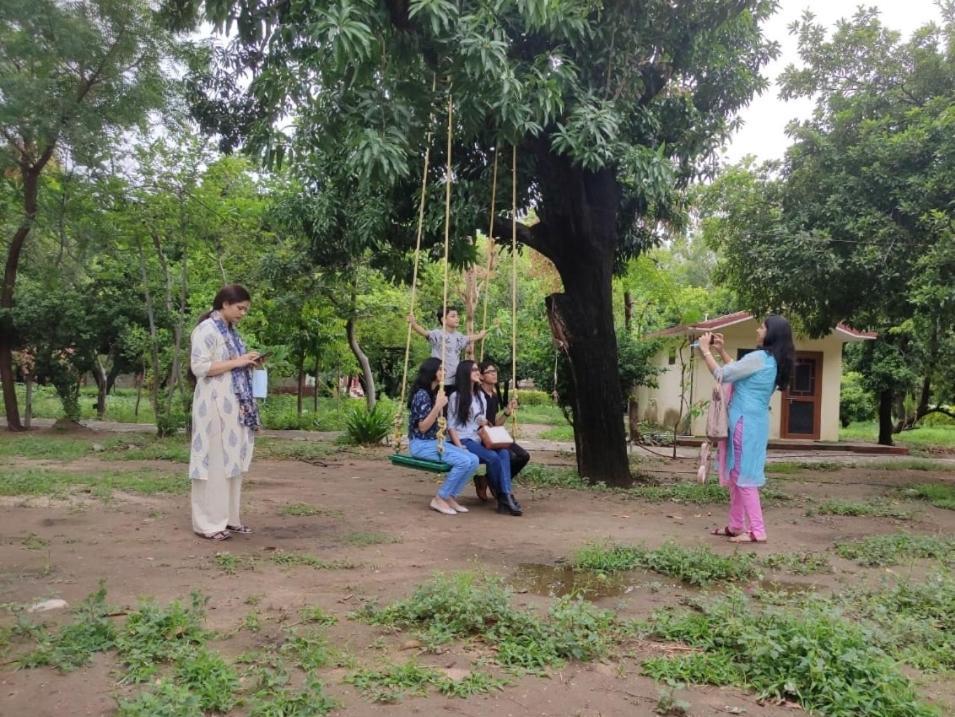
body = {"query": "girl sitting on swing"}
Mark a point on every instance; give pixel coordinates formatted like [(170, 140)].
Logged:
[(467, 411), (425, 405)]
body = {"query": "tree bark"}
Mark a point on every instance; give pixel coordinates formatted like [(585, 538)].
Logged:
[(578, 232), (367, 376), (102, 383), (886, 401), (628, 311)]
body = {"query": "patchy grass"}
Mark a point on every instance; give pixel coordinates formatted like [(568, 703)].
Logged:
[(102, 484), (288, 559), (790, 467), (798, 563), (230, 563), (278, 449), (166, 699), (464, 606), (43, 447), (852, 508), (808, 654), (73, 645), (543, 476), (695, 566), (317, 616), (34, 542), (389, 684), (210, 678), (896, 548), (363, 538), (564, 433), (305, 510), (275, 699), (940, 495)]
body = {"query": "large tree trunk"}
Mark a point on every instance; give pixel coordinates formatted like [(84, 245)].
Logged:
[(101, 380), (31, 181), (578, 232), (886, 400), (367, 376)]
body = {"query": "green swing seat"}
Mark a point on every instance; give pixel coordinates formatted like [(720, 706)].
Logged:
[(421, 464)]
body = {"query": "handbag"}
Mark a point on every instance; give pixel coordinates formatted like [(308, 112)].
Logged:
[(495, 437), (717, 424)]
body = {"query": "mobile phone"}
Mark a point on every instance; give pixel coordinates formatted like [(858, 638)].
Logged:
[(264, 355)]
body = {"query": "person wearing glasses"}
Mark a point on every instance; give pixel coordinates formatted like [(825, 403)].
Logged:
[(497, 417)]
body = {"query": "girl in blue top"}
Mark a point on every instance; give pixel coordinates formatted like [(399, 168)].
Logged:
[(425, 406), (754, 378)]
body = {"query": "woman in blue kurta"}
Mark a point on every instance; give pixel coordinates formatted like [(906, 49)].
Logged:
[(754, 377)]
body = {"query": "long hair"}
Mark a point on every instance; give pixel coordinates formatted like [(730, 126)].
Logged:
[(228, 294), (427, 373), (778, 343), (466, 390)]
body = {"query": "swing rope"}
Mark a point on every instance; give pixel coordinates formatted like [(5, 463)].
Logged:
[(514, 284), (399, 415), (442, 422), (490, 253)]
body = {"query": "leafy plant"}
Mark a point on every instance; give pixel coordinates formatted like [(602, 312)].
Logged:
[(393, 682), (364, 427), (798, 563), (287, 559), (696, 566), (879, 550), (310, 650), (73, 645), (316, 615), (206, 674), (476, 683), (154, 635), (941, 495), (874, 509), (310, 701), (164, 700)]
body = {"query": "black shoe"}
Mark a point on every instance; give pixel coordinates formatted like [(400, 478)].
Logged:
[(519, 506), (507, 504)]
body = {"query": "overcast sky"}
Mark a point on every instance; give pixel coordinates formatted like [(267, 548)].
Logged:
[(763, 132)]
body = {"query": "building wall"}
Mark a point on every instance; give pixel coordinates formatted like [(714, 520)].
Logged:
[(655, 404)]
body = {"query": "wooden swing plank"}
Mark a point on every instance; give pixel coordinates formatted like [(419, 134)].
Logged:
[(420, 464)]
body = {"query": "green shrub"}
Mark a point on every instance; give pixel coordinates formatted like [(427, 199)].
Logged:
[(164, 700), (811, 655), (695, 566), (529, 397), (364, 427), (855, 402), (208, 676), (154, 635), (73, 645)]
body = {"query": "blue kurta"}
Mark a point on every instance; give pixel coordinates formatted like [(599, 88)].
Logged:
[(754, 380)]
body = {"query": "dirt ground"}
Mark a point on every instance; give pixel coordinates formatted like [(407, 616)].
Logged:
[(144, 546)]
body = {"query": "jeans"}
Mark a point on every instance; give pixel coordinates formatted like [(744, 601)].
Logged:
[(463, 464), (519, 458), (498, 464)]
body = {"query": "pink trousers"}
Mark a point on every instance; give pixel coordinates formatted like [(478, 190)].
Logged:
[(746, 513)]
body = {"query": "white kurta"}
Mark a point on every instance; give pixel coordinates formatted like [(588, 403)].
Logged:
[(221, 448)]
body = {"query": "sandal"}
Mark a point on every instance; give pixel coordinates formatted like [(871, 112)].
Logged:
[(217, 537), (240, 529), (749, 537), (724, 532)]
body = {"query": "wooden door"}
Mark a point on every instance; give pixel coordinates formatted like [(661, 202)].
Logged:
[(802, 403)]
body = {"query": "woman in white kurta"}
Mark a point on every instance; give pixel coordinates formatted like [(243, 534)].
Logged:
[(224, 416)]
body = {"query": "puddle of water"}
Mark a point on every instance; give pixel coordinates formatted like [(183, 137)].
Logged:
[(560, 580)]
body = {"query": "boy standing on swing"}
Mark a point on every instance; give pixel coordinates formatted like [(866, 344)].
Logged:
[(447, 342)]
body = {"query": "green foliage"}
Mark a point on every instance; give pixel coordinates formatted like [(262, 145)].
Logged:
[(310, 701), (798, 563), (154, 635), (698, 668), (929, 438), (390, 684), (166, 699), (316, 615), (811, 655), (463, 606), (896, 548), (527, 397), (73, 645), (300, 510), (695, 566), (210, 678), (364, 427), (941, 495), (309, 649), (874, 509), (855, 402), (787, 467), (476, 683), (544, 476)]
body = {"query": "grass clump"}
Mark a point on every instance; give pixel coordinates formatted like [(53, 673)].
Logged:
[(695, 668), (317, 616), (73, 645), (305, 510), (210, 678), (892, 549), (476, 683), (164, 700), (364, 538), (313, 452), (544, 476), (914, 621), (695, 566), (34, 446), (790, 467), (278, 700), (34, 542), (798, 563), (811, 655), (873, 509), (288, 560), (941, 495), (390, 684), (465, 606), (308, 649), (154, 635), (230, 563), (691, 493)]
